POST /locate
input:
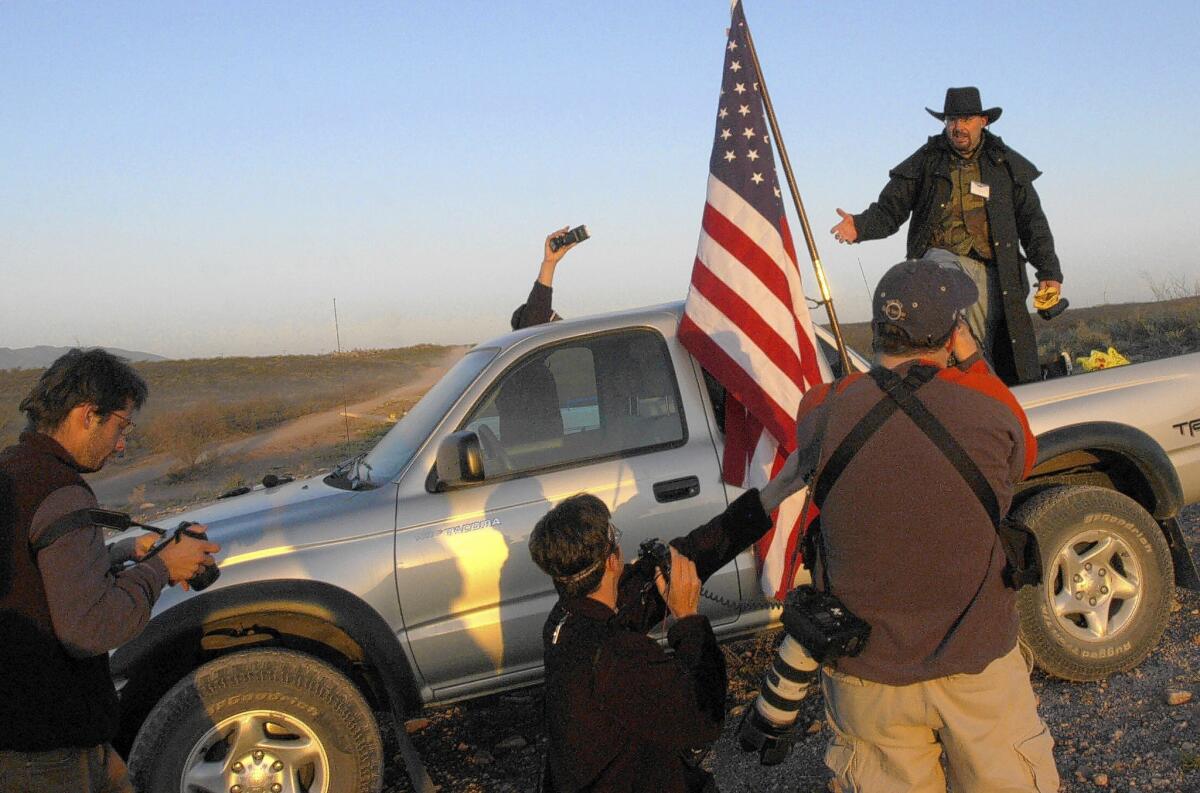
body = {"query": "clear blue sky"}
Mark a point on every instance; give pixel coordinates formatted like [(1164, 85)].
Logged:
[(200, 179)]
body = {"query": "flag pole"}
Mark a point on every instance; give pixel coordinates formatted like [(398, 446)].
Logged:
[(822, 284)]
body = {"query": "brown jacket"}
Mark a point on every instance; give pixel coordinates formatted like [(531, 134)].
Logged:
[(910, 548)]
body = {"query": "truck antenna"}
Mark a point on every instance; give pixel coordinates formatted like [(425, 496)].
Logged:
[(341, 370), (864, 275)]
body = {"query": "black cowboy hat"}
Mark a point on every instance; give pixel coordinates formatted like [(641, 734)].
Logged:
[(964, 102)]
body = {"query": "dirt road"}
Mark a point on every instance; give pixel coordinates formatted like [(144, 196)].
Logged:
[(315, 430)]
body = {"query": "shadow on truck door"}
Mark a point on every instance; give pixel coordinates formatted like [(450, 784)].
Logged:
[(600, 414)]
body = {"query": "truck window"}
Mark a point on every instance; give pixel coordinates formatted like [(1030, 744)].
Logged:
[(716, 391), (599, 396), (832, 357), (396, 448)]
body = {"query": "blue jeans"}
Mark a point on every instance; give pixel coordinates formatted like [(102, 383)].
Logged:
[(95, 770)]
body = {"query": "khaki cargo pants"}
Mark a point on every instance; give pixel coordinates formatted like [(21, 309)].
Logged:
[(890, 738), (96, 770)]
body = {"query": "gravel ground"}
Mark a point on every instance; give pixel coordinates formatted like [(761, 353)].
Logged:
[(1122, 734)]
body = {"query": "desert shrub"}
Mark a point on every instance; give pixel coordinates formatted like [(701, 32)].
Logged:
[(185, 434), (256, 415), (1140, 336)]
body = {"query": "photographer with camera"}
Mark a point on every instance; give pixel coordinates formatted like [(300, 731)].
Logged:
[(918, 465), (622, 714), (536, 309), (62, 606)]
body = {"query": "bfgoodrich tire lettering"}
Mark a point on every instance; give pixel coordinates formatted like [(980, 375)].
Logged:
[(263, 719), (1106, 593)]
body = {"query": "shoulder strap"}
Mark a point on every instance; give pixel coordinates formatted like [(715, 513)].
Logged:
[(71, 522), (902, 394), (850, 446), (866, 427), (899, 391)]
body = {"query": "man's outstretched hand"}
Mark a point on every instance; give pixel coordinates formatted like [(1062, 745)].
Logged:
[(845, 231)]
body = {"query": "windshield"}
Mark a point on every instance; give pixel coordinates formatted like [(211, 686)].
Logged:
[(396, 448)]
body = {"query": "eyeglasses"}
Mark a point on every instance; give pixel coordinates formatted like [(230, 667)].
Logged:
[(127, 424), (614, 538)]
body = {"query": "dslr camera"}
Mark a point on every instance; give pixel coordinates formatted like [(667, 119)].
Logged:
[(577, 234), (119, 521), (201, 580), (817, 628), (653, 553), (823, 626)]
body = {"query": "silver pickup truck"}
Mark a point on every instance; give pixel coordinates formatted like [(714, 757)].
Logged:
[(402, 578)]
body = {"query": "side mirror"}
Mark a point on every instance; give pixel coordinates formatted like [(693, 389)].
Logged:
[(459, 459)]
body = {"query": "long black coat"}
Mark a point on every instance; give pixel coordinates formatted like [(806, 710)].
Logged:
[(921, 183)]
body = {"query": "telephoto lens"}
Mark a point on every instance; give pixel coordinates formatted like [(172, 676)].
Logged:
[(769, 724)]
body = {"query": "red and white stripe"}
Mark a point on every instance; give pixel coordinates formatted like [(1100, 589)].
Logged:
[(747, 322)]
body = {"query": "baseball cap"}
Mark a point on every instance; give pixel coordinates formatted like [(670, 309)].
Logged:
[(923, 298)]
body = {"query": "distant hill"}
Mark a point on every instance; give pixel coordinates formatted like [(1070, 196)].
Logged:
[(42, 356)]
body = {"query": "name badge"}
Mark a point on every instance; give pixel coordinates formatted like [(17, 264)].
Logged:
[(980, 189)]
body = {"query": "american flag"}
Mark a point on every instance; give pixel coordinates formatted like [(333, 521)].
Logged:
[(746, 320)]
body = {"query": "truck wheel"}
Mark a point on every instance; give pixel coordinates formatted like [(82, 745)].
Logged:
[(260, 720), (1107, 583)]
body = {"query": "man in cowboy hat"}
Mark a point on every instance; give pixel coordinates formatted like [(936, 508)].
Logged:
[(972, 202)]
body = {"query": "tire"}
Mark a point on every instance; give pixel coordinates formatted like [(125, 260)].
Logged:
[(258, 719), (1107, 583)]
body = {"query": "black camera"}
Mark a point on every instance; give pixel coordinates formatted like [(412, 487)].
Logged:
[(656, 554), (577, 234), (823, 625), (203, 579), (817, 628), (119, 521)]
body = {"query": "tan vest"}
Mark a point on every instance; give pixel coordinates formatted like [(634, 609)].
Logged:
[(962, 226)]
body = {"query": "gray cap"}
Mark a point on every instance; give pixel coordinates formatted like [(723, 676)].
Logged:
[(923, 298)]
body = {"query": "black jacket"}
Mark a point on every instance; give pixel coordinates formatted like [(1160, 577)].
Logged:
[(622, 714), (49, 699), (1015, 219), (536, 310)]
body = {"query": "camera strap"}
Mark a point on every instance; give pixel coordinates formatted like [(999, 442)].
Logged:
[(1018, 541), (853, 443), (902, 395), (898, 390)]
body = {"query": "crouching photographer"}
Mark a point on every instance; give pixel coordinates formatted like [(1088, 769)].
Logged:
[(621, 713), (913, 610)]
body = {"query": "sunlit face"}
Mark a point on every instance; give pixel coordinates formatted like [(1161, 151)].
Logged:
[(964, 132), (106, 435)]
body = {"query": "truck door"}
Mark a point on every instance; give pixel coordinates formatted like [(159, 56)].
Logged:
[(600, 413)]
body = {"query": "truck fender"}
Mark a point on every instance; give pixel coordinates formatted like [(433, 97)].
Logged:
[(257, 613), (1105, 442), (1133, 463)]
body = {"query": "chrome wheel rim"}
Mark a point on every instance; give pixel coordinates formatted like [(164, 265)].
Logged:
[(1094, 585), (259, 751)]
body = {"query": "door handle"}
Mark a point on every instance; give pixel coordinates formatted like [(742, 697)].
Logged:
[(677, 489)]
